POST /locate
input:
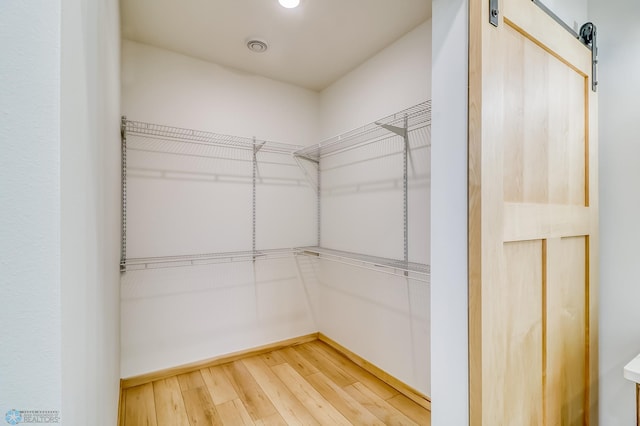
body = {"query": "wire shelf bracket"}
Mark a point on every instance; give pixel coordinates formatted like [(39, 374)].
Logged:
[(400, 131)]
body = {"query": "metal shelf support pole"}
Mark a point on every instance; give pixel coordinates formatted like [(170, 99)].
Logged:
[(404, 132), (256, 148), (319, 204), (406, 190), (123, 192)]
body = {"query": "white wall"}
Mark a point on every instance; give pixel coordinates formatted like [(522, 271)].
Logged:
[(360, 195), (160, 86), (449, 296), (201, 203), (30, 200), (619, 91), (59, 98), (173, 316), (90, 211), (186, 200), (572, 12), (394, 79), (382, 318)]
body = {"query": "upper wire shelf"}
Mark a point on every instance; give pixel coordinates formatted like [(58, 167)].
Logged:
[(417, 117), (200, 137)]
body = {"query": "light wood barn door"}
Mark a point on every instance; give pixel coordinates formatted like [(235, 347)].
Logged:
[(533, 221)]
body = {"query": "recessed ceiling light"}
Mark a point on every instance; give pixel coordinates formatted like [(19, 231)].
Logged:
[(289, 4), (257, 45)]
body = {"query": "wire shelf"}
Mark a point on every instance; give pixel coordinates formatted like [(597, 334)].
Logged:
[(417, 117), (141, 263), (401, 124), (418, 271), (200, 137)]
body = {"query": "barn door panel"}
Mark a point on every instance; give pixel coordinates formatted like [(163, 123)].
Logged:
[(532, 221)]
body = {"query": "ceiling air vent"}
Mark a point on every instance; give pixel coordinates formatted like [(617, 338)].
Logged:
[(257, 45)]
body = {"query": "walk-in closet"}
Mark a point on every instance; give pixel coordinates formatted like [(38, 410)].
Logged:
[(276, 188)]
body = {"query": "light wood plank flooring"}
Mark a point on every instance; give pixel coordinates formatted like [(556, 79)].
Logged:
[(308, 384)]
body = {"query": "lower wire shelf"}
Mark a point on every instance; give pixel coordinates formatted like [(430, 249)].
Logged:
[(141, 263), (412, 270)]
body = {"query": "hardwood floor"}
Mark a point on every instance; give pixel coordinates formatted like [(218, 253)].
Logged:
[(308, 384)]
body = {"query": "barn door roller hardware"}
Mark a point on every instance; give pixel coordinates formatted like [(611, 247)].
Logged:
[(588, 35)]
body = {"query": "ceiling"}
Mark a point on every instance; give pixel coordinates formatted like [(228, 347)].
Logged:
[(310, 46)]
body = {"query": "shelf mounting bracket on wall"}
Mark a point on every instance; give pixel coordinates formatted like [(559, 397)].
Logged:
[(304, 157), (400, 131)]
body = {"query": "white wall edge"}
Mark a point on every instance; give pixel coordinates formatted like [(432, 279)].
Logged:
[(449, 267)]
